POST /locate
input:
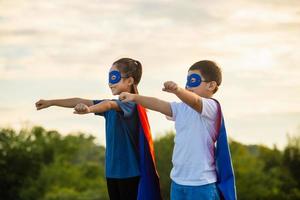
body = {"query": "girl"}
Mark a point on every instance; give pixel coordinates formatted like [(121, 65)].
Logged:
[(130, 165)]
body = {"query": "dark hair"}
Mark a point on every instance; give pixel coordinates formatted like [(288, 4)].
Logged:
[(130, 68), (209, 70)]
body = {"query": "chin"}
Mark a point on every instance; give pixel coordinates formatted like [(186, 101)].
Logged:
[(116, 93), (113, 92)]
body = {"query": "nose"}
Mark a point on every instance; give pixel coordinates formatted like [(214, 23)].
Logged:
[(109, 84)]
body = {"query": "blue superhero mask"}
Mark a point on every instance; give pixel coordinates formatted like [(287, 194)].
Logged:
[(115, 77), (193, 80)]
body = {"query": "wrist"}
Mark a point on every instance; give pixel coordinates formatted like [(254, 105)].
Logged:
[(134, 96), (90, 109), (50, 102), (178, 90)]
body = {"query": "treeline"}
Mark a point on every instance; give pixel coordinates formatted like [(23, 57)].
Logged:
[(44, 165)]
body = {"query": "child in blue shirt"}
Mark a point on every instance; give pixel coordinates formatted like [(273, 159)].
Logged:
[(123, 172)]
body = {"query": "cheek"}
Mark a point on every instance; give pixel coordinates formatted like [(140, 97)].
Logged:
[(120, 86), (123, 84), (200, 87)]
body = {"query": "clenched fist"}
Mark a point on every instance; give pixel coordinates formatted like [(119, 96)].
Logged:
[(126, 96), (41, 104), (170, 86), (81, 109)]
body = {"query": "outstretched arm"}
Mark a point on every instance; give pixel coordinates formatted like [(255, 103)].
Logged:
[(148, 102), (190, 98), (67, 103), (104, 106)]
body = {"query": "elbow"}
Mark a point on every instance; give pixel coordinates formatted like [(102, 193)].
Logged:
[(108, 105), (101, 107)]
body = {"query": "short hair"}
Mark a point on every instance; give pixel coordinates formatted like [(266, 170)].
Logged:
[(209, 70)]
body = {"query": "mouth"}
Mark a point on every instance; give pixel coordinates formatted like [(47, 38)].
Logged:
[(113, 89)]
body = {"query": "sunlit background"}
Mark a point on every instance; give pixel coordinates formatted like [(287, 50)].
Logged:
[(62, 48)]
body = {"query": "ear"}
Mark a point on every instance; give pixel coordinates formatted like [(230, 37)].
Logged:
[(211, 86), (130, 81)]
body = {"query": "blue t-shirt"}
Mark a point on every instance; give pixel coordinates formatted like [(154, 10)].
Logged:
[(121, 139)]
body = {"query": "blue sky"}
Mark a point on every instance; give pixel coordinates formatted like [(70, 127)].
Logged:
[(60, 48)]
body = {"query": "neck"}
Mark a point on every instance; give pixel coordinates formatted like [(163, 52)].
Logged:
[(134, 89), (207, 95)]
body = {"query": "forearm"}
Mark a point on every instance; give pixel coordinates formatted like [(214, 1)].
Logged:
[(155, 104), (70, 102), (103, 107), (189, 98)]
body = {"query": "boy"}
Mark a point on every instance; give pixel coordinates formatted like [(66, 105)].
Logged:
[(199, 170)]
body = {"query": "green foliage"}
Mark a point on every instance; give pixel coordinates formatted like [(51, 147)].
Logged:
[(163, 150), (40, 164), (292, 157)]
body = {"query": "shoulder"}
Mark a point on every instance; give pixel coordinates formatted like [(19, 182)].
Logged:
[(180, 109), (178, 105), (96, 101), (209, 108), (127, 109), (210, 102), (129, 104)]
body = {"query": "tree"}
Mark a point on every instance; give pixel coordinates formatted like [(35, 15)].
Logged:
[(40, 164), (163, 149)]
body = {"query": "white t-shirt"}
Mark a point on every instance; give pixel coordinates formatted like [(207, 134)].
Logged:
[(193, 154)]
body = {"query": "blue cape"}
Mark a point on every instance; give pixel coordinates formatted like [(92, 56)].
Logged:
[(225, 174)]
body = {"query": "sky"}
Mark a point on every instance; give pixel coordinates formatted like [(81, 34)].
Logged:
[(60, 49)]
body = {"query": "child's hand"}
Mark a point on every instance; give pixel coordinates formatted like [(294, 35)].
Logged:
[(170, 86), (41, 104), (81, 109), (126, 97)]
